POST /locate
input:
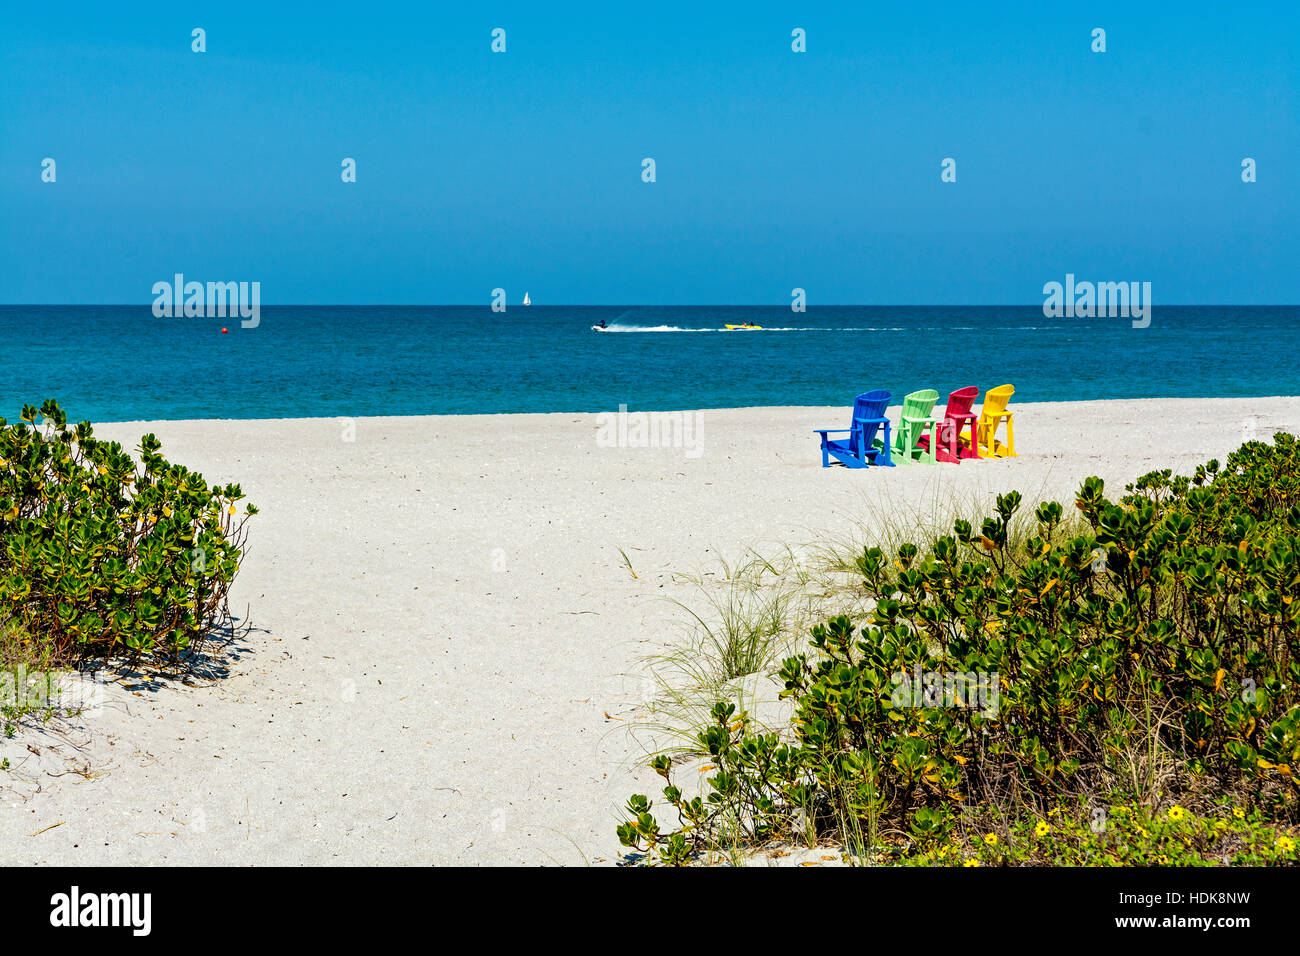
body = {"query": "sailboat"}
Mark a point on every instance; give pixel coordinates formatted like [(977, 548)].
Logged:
[(527, 301)]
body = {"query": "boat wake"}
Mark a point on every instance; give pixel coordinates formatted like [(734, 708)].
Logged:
[(652, 328)]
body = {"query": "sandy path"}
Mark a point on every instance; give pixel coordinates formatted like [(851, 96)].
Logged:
[(444, 621)]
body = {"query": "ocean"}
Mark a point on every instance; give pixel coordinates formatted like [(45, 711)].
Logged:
[(120, 363)]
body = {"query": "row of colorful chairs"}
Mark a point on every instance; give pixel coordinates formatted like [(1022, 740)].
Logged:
[(919, 437)]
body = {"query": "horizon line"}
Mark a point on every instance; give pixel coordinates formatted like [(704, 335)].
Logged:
[(649, 305)]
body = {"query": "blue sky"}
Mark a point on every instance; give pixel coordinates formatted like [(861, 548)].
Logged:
[(774, 169)]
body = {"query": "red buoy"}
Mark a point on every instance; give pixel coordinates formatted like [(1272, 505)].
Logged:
[(223, 331)]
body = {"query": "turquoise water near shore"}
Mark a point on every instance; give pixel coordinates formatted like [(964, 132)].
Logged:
[(120, 363)]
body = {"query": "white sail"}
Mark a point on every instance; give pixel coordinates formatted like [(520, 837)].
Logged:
[(527, 301)]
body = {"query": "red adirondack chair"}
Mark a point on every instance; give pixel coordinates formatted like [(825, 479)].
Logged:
[(956, 416)]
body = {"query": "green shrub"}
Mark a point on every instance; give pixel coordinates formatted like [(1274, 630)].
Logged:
[(1155, 653), (103, 558)]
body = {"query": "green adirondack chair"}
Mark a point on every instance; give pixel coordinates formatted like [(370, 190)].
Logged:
[(914, 423)]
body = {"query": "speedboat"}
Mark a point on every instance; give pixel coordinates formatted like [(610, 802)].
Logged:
[(745, 328)]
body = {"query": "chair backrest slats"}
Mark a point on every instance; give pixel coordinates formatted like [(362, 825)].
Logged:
[(919, 404), (867, 405), (960, 402), (995, 400)]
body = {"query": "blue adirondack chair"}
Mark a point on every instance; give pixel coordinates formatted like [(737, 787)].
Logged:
[(862, 448)]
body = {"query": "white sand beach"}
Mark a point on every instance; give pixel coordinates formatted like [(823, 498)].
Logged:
[(444, 660)]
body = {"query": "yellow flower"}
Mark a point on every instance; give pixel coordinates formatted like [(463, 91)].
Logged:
[(991, 839), (1285, 844), (1239, 813), (1177, 813), (971, 863), (1042, 829)]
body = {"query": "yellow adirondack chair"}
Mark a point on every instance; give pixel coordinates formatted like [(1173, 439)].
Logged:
[(993, 414)]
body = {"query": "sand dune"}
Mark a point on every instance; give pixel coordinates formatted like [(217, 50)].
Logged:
[(442, 621)]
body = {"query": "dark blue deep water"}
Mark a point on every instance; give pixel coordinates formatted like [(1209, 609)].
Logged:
[(116, 363)]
